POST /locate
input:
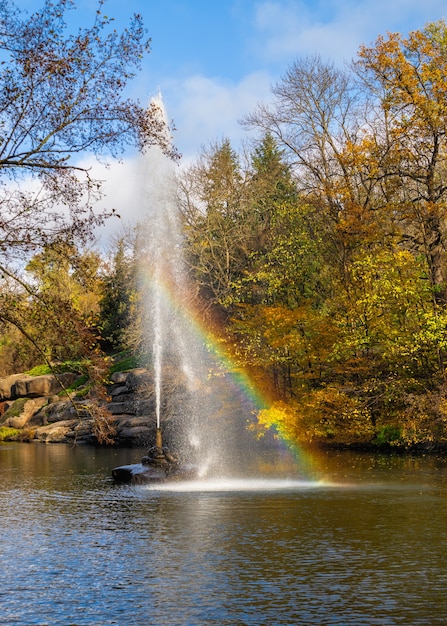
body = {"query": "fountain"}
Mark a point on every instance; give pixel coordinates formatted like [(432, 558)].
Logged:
[(202, 413), (157, 466)]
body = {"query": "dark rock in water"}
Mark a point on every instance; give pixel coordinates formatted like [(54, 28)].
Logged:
[(158, 466), (143, 474), (138, 473)]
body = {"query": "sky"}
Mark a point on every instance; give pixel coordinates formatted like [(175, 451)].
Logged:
[(214, 60)]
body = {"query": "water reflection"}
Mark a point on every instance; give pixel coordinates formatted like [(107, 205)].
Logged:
[(367, 548)]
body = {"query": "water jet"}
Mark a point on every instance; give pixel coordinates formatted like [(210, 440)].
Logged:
[(197, 402)]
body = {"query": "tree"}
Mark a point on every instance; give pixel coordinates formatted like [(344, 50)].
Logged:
[(212, 205), (367, 151), (118, 295), (408, 76), (312, 117), (61, 311), (62, 96), (282, 253), (318, 118)]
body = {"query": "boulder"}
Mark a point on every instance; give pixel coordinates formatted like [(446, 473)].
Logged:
[(130, 421), (45, 385), (134, 436), (117, 408), (52, 412), (118, 390), (55, 433), (29, 408), (138, 378), (36, 407), (7, 385), (119, 378)]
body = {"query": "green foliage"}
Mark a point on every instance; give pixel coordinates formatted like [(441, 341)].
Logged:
[(39, 370), (117, 304), (124, 363), (8, 434), (79, 382), (389, 435), (59, 368)]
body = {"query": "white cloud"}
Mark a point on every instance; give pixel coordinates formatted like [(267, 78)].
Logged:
[(286, 30), (121, 188), (208, 109), (205, 110)]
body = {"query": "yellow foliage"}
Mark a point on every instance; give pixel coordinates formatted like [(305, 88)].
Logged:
[(319, 416)]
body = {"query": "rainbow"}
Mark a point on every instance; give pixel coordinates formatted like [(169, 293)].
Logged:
[(250, 388)]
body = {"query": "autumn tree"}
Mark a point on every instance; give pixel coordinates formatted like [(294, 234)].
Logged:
[(62, 97), (408, 76), (61, 312), (273, 319), (313, 116), (366, 149)]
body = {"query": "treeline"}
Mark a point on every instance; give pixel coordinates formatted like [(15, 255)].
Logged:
[(319, 253), (324, 250)]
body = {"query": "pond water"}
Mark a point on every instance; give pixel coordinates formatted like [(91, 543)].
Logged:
[(367, 545)]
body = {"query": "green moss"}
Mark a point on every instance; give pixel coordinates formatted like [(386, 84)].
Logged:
[(78, 383), (8, 433), (59, 368), (15, 409)]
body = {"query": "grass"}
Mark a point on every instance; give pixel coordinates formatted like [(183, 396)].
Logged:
[(59, 368), (123, 362)]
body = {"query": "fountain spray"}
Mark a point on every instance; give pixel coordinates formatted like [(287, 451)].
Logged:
[(190, 385), (157, 347)]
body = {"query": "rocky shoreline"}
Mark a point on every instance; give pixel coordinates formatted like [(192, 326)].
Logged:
[(38, 409)]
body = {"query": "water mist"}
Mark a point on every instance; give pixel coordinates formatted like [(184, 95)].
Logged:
[(203, 415)]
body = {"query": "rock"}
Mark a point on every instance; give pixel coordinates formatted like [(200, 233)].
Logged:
[(138, 474), (55, 433), (7, 386), (138, 378), (130, 421), (119, 377), (28, 410), (56, 418), (46, 385), (137, 437), (119, 391), (117, 408), (53, 412), (158, 466), (83, 428)]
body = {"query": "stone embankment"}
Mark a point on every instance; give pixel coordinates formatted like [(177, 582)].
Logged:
[(41, 410)]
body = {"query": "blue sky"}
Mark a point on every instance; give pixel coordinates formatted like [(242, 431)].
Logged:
[(214, 60)]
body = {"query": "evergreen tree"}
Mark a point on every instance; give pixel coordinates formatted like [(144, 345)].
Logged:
[(118, 295)]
